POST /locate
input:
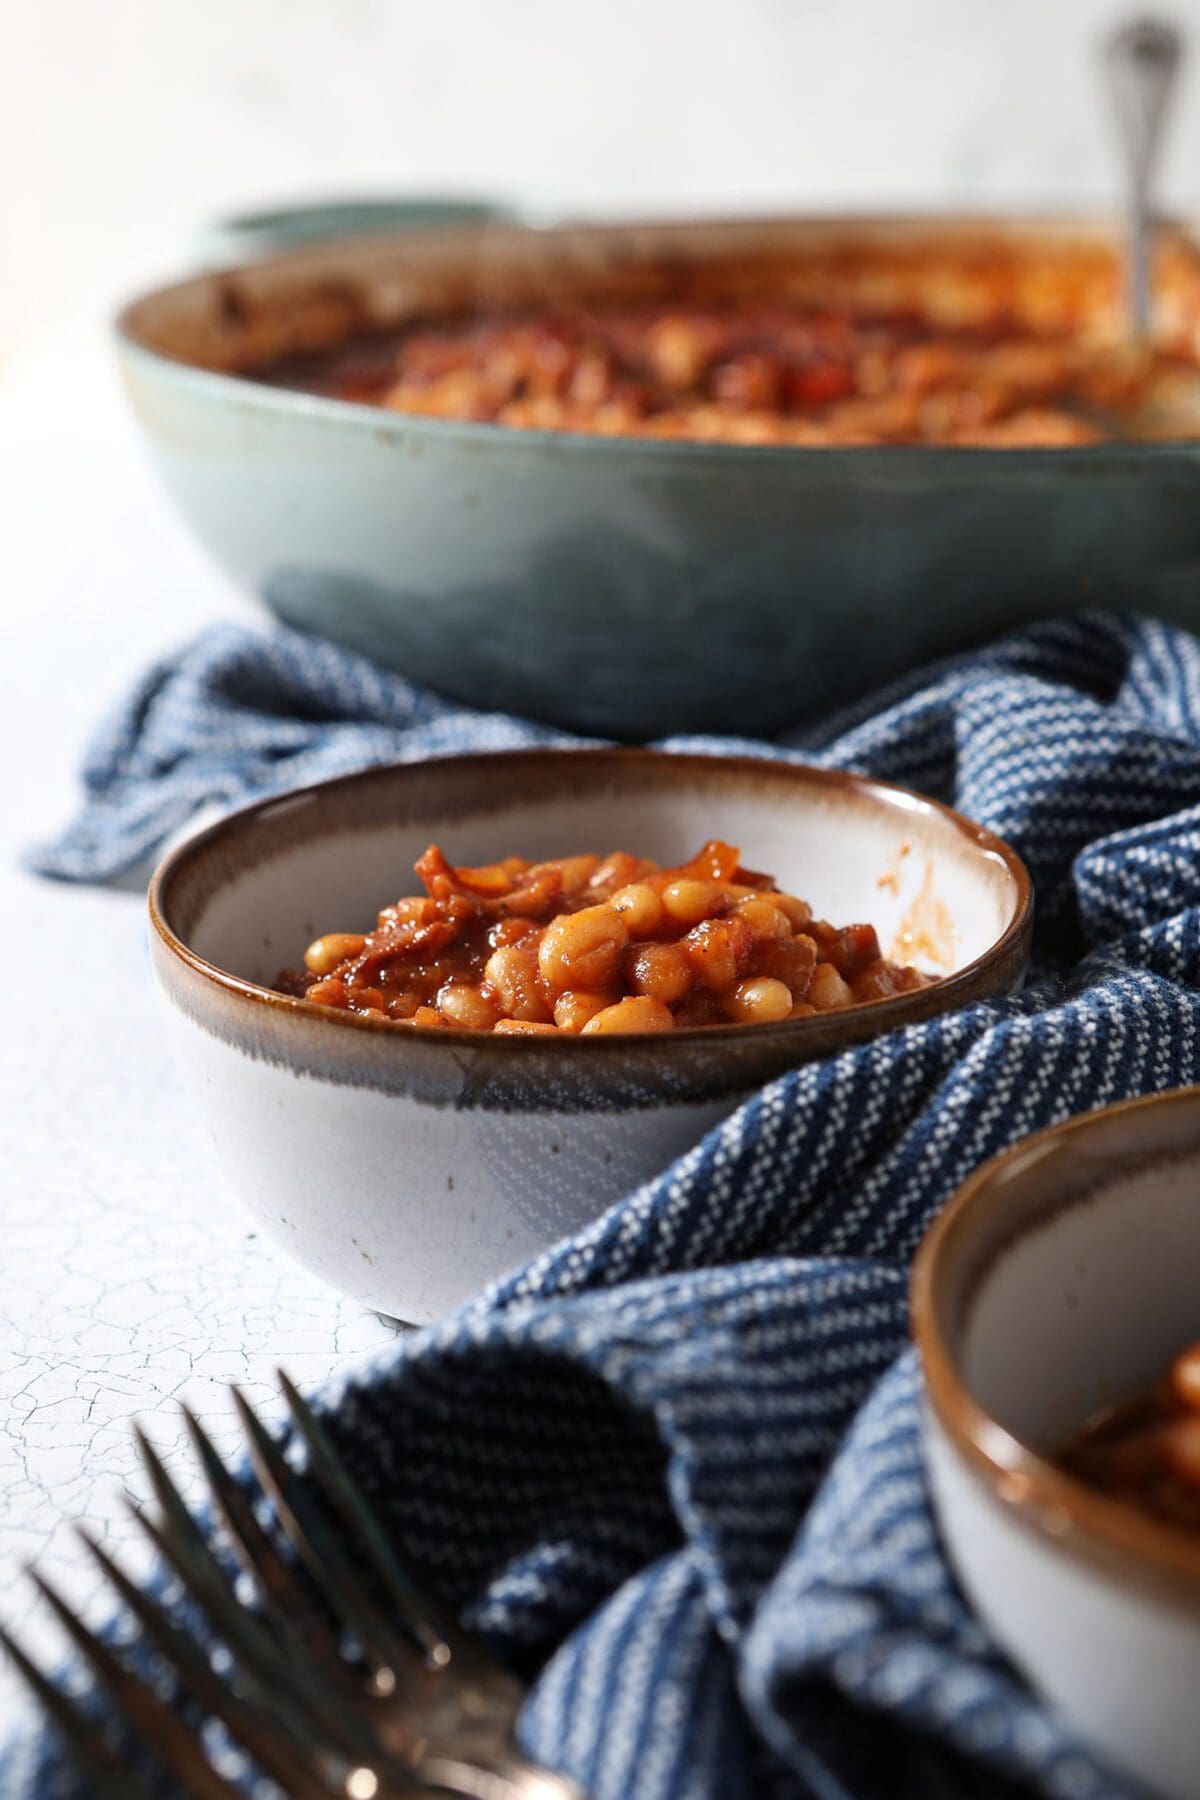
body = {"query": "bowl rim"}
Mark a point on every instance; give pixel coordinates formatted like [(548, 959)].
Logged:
[(894, 1011), (361, 416), (1061, 1508)]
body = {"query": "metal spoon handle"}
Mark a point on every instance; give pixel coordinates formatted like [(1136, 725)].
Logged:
[(1142, 60)]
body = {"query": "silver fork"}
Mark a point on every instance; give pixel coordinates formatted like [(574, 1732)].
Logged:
[(349, 1678)]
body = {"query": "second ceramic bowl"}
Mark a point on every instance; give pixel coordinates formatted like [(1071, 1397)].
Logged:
[(1062, 1280), (410, 1167)]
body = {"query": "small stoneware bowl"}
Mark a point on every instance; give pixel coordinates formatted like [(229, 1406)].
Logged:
[(1062, 1279), (410, 1167)]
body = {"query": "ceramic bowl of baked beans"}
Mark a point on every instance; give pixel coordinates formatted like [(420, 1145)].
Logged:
[(783, 460), (1056, 1305), (440, 1015)]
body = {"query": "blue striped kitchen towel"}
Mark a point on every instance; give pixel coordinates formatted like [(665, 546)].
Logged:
[(672, 1467)]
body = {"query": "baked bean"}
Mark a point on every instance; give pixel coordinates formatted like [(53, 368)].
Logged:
[(689, 901), (513, 972), (661, 970), (1146, 1451), (523, 1028), (579, 944), (827, 990), (466, 1006), (573, 1009), (760, 1001), (766, 922), (796, 912), (639, 907), (639, 1012), (679, 349), (323, 956), (582, 949), (1181, 1449), (1184, 1379)]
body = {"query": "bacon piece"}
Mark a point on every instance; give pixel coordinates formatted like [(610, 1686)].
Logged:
[(715, 861)]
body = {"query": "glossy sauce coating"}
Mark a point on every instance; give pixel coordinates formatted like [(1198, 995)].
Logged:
[(584, 944), (1147, 1451)]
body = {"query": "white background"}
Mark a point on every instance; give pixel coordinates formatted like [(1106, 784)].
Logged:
[(126, 123), (127, 1279)]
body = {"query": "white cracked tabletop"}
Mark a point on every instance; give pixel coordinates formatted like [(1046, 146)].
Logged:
[(128, 1278)]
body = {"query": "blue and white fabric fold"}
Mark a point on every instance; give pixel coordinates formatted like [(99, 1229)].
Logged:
[(672, 1468)]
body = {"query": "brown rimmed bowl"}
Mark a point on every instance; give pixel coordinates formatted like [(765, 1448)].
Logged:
[(1062, 1279), (410, 1167)]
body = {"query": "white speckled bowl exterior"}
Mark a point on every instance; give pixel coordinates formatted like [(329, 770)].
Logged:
[(1063, 1278), (409, 1168)]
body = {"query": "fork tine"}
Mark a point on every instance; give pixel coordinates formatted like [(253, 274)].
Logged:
[(177, 1516), (82, 1736), (274, 1745), (284, 1597), (175, 1746), (279, 1678), (431, 1621), (189, 1553), (319, 1548), (261, 1654)]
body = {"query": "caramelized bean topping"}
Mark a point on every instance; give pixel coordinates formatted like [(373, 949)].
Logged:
[(592, 947)]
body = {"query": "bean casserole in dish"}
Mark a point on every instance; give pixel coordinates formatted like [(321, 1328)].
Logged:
[(710, 476)]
